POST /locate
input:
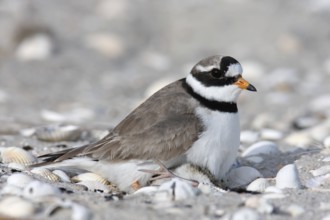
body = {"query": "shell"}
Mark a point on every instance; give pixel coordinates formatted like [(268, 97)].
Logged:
[(19, 180), (17, 155), (62, 175), (90, 177), (55, 133), (242, 176), (95, 186), (321, 171), (258, 185), (46, 174), (288, 177), (38, 189), (262, 147), (246, 214), (175, 189), (19, 208)]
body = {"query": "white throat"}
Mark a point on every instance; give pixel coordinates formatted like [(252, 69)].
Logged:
[(227, 93)]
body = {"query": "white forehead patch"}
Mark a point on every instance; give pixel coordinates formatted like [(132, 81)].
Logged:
[(201, 68), (234, 70)]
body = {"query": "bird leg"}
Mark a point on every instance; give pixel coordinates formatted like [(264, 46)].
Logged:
[(164, 172)]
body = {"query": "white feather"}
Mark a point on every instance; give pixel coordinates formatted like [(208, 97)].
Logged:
[(217, 146), (202, 68), (227, 93), (234, 70)]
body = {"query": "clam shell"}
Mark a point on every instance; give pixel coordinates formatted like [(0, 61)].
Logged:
[(95, 186), (90, 177), (242, 176), (17, 155), (38, 189), (262, 147), (62, 175), (19, 208), (258, 185), (288, 177), (55, 133), (175, 189), (46, 174)]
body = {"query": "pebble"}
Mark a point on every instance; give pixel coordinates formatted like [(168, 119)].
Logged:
[(288, 177), (248, 136), (74, 115), (271, 134), (11, 190), (254, 159), (318, 181), (258, 185), (299, 139), (37, 189), (246, 214), (295, 210), (260, 204), (107, 44), (80, 212), (326, 142), (242, 176), (19, 180), (262, 147), (16, 207), (175, 189), (36, 47), (306, 122)]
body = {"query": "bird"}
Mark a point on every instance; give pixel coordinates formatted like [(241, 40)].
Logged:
[(192, 120)]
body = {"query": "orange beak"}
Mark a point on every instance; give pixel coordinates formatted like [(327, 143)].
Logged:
[(243, 84)]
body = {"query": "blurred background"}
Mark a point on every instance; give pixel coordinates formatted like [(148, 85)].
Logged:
[(92, 61)]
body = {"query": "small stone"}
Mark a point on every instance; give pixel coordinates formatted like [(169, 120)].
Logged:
[(262, 147), (295, 210), (326, 142), (16, 207), (242, 176), (37, 189), (271, 134), (105, 43), (248, 136), (246, 214)]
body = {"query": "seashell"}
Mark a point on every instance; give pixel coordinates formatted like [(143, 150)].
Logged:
[(17, 166), (295, 210), (46, 174), (175, 189), (288, 177), (28, 132), (37, 189), (17, 155), (246, 214), (254, 159), (271, 134), (95, 186), (148, 190), (248, 136), (260, 204), (62, 175), (262, 147), (318, 181), (258, 185), (326, 142), (16, 207), (321, 171), (242, 176), (80, 212), (19, 180), (90, 177), (55, 133)]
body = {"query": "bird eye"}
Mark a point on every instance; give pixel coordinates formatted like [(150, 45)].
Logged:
[(216, 73)]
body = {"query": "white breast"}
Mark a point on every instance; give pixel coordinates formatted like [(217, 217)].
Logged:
[(216, 148)]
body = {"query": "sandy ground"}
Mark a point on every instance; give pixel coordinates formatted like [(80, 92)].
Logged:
[(89, 63)]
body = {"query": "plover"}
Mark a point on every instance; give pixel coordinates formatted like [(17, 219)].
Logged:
[(193, 120)]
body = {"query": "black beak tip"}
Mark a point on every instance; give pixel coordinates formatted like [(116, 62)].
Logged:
[(251, 88)]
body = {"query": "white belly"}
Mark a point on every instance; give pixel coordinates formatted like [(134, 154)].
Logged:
[(217, 146)]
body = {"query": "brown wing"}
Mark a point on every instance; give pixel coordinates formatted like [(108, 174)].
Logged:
[(162, 127)]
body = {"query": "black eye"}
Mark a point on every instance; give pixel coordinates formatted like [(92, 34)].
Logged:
[(216, 73)]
